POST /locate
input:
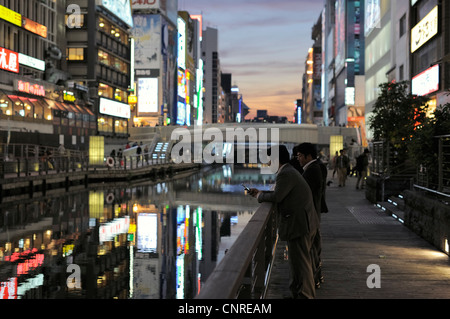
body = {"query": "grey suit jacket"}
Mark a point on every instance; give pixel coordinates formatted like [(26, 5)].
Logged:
[(295, 207)]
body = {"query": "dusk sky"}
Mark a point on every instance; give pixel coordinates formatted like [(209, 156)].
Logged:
[(263, 44)]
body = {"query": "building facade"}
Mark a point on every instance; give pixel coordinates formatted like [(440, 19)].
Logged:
[(38, 102), (213, 103), (430, 50), (98, 58)]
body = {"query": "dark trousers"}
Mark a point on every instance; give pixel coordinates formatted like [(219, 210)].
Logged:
[(301, 281)]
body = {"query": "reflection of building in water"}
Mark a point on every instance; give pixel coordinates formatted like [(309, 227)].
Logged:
[(155, 240)]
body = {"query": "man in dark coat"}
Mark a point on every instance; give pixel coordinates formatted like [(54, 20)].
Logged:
[(315, 173), (298, 222)]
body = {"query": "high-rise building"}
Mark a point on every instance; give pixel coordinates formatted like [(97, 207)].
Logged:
[(98, 58), (328, 74), (311, 92), (349, 66), (213, 108), (343, 69)]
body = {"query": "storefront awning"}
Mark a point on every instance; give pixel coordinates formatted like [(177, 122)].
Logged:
[(55, 105)]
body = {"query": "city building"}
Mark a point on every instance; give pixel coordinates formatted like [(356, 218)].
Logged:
[(336, 66), (213, 103), (328, 74), (98, 59), (155, 73), (235, 108), (39, 103), (430, 50), (349, 68)]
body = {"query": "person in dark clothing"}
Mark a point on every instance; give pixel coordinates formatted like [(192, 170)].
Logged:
[(294, 161), (362, 164), (315, 173), (298, 222)]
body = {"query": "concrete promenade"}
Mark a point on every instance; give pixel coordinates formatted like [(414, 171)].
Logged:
[(356, 234)]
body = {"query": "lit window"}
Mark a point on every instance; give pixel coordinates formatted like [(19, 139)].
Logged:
[(75, 54)]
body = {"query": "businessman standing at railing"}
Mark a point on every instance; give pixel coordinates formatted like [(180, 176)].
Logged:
[(298, 222)]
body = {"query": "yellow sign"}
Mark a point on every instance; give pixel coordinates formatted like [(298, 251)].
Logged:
[(10, 16), (424, 30), (132, 99)]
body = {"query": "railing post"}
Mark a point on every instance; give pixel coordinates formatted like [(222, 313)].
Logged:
[(259, 268)]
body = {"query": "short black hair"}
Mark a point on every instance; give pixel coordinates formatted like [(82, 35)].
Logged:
[(283, 153), (307, 149)]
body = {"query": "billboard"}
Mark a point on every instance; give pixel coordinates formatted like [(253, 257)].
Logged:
[(426, 29), (181, 44), (372, 11), (114, 108), (10, 16), (9, 60), (167, 7), (147, 91), (426, 82), (120, 8), (147, 41), (147, 232), (340, 35)]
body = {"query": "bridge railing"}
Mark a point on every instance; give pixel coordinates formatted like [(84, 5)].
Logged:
[(245, 269)]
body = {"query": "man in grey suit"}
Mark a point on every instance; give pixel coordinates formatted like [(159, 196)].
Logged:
[(297, 222)]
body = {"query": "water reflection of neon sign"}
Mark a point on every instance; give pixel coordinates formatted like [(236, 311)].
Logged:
[(108, 231), (180, 277), (198, 232), (32, 262), (8, 289), (183, 230), (147, 232)]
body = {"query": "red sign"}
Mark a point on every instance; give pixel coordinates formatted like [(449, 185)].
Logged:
[(27, 87), (9, 60)]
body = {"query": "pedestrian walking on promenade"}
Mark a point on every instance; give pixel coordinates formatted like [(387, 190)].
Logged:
[(146, 153), (342, 167), (334, 163), (138, 153), (315, 174), (362, 165), (298, 221)]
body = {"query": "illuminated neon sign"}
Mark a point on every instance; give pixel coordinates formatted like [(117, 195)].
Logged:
[(9, 60), (10, 16), (27, 87), (426, 82), (424, 30)]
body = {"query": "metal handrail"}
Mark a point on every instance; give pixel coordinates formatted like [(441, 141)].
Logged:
[(431, 191), (245, 269), (44, 165)]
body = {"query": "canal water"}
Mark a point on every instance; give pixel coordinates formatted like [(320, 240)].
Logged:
[(145, 240)]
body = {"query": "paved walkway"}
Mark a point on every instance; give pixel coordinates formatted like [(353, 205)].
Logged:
[(356, 234)]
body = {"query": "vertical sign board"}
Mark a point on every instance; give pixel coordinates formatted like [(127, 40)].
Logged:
[(147, 95), (426, 29)]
